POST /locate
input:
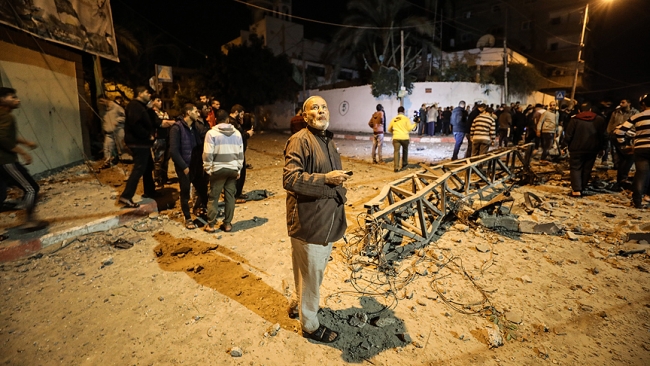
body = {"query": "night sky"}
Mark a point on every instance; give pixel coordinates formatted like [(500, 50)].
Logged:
[(620, 36)]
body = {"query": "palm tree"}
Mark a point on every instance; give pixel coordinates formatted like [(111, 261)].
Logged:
[(373, 36)]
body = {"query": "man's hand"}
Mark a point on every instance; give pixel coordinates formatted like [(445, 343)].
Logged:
[(186, 171), (31, 144), (238, 175), (336, 177), (250, 133), (26, 158)]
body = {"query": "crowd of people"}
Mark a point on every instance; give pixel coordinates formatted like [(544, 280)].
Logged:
[(583, 132), (205, 143)]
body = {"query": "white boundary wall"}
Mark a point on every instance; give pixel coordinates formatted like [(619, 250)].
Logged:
[(351, 108)]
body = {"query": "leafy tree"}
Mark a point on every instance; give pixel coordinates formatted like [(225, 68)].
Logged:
[(522, 79), (251, 75), (374, 37)]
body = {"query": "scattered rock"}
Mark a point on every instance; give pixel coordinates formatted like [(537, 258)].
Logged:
[(236, 352), (526, 279), (494, 337), (514, 316), (183, 250), (358, 319), (482, 248), (160, 298), (382, 322), (421, 302), (603, 314), (107, 262), (273, 331), (571, 236)]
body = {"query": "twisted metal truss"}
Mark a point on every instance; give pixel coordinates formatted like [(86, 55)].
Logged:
[(408, 211)]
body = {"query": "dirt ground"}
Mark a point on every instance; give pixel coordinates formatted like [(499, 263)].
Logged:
[(187, 297)]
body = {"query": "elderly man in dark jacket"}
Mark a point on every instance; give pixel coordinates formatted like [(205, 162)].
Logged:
[(585, 135), (139, 136), (314, 180)]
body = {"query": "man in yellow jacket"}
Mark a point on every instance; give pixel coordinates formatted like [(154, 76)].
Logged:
[(400, 127)]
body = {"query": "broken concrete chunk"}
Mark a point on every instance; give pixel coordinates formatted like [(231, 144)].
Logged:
[(494, 337), (382, 322), (482, 248), (550, 228), (107, 261), (358, 319), (571, 236), (514, 316), (183, 250), (526, 279)]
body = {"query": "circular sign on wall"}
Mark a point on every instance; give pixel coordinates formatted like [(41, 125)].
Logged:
[(344, 107)]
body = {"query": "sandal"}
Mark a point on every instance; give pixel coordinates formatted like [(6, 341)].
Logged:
[(226, 227), (240, 200), (323, 334), (127, 203), (209, 228), (189, 224)]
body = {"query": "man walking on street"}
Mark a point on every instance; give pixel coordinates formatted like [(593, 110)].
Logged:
[(483, 131), (139, 135), (401, 126), (12, 172), (313, 178), (585, 135), (461, 129), (377, 124), (623, 159)]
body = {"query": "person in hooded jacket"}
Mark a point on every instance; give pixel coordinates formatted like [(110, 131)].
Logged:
[(223, 160), (585, 136), (184, 136)]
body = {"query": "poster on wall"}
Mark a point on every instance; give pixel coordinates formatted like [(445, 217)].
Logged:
[(83, 24)]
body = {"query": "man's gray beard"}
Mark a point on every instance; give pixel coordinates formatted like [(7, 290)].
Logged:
[(319, 125)]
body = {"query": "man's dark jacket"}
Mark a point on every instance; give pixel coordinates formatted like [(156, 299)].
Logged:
[(586, 133), (459, 120), (138, 127)]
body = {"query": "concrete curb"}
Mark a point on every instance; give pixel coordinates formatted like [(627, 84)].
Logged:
[(16, 249), (390, 138)]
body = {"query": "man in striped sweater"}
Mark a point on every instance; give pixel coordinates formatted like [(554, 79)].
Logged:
[(483, 131), (223, 159), (641, 123)]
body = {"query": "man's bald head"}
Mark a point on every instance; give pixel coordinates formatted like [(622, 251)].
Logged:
[(316, 113)]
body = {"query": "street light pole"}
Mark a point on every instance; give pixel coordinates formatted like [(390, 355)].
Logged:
[(581, 46)]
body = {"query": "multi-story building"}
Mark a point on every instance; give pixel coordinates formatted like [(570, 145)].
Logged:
[(283, 36), (547, 32)]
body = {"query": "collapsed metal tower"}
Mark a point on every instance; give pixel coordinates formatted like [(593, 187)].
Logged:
[(407, 213)]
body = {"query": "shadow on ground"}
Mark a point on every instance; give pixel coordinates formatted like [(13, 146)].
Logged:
[(364, 332)]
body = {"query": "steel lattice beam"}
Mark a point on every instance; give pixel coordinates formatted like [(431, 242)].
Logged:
[(408, 211)]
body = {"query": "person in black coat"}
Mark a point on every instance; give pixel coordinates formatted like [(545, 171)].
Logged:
[(139, 133), (585, 135)]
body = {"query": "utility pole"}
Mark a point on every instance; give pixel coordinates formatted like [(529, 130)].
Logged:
[(582, 39), (304, 74), (505, 58), (441, 25), (402, 90), (433, 34)]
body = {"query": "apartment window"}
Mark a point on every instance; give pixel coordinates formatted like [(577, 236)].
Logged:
[(526, 25), (556, 20), (496, 8), (553, 46), (468, 15)]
